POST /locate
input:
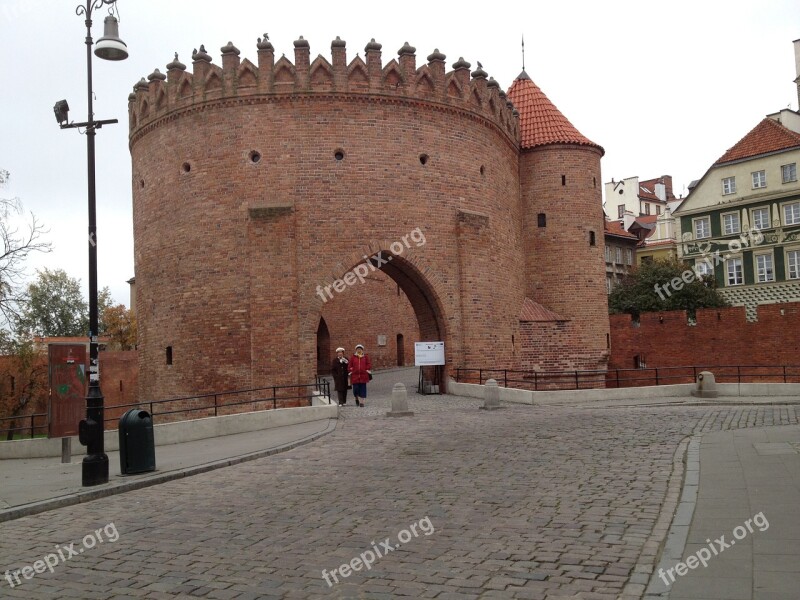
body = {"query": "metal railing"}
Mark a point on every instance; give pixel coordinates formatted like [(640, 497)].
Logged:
[(217, 403), (617, 378), (29, 429)]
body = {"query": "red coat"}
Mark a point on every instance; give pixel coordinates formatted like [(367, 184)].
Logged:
[(358, 368)]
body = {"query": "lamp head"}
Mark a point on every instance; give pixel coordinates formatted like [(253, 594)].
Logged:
[(110, 47), (61, 110)]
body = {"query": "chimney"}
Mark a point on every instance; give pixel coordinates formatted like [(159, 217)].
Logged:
[(628, 220), (797, 69)]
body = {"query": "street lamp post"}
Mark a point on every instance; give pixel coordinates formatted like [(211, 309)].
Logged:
[(95, 464)]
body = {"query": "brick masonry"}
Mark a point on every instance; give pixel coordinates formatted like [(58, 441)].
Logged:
[(721, 336), (255, 184)]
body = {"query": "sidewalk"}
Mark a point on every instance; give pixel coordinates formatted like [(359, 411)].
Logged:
[(31, 486), (744, 474)]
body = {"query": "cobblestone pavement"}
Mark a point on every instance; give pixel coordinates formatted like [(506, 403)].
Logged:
[(523, 502)]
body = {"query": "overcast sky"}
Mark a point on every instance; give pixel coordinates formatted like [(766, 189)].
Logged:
[(664, 87)]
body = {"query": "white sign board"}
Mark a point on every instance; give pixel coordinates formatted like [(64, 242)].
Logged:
[(428, 354)]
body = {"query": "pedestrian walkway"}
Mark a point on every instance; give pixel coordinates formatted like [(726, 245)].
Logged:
[(743, 534), (30, 486)]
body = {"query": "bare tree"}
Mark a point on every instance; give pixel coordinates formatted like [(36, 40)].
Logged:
[(15, 246)]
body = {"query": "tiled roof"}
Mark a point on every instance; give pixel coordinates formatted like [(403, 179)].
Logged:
[(541, 123), (532, 311), (616, 228), (647, 188), (767, 136), (647, 219)]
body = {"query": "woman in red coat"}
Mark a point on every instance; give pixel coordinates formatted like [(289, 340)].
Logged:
[(360, 368)]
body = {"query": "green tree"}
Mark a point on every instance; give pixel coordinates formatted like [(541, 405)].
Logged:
[(53, 306), (650, 288)]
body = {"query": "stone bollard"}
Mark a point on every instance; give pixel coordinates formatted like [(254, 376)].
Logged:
[(399, 402), (706, 386), (491, 395)]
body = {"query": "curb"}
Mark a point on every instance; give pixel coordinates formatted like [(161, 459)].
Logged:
[(34, 508)]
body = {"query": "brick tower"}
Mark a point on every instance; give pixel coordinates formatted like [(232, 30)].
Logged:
[(566, 310), (255, 186)]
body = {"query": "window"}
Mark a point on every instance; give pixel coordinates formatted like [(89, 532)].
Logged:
[(621, 211), (592, 240), (793, 264), (169, 355), (761, 218), (608, 254), (702, 267), (647, 259), (791, 213), (789, 173), (608, 285), (735, 274), (658, 210), (646, 208), (728, 186), (730, 223), (759, 179), (629, 256), (764, 270), (702, 228), (618, 255), (541, 220)]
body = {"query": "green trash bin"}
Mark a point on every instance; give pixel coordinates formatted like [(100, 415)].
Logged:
[(137, 452)]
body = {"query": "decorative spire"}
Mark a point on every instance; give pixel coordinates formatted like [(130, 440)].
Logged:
[(479, 73), (436, 56), (201, 55), (176, 64), (407, 49), (265, 43), (301, 43), (523, 52), (229, 48), (338, 43), (156, 76), (373, 45), (461, 64), (141, 85)]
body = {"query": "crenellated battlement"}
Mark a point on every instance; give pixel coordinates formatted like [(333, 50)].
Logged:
[(400, 79)]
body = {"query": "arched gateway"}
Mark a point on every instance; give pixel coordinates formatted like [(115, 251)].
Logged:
[(262, 193)]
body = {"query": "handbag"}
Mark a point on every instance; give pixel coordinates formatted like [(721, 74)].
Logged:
[(370, 375)]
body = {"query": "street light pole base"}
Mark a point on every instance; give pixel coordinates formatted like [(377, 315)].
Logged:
[(94, 469)]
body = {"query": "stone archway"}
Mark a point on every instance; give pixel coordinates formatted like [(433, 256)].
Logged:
[(413, 313)]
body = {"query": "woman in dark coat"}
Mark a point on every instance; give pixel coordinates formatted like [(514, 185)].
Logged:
[(339, 370)]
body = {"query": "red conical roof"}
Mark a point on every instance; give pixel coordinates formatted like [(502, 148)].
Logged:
[(541, 123)]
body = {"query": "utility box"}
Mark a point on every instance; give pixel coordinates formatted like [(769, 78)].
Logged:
[(706, 386), (137, 451)]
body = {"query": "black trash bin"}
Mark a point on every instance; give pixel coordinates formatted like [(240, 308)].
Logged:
[(137, 452)]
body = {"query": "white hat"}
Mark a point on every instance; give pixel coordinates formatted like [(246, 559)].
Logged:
[(340, 349), (359, 346)]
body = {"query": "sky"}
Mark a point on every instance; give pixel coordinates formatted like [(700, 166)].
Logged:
[(665, 87)]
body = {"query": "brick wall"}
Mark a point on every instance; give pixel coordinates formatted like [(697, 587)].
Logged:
[(722, 336)]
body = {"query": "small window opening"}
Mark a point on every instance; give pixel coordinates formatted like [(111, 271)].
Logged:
[(338, 155), (169, 355), (255, 156), (591, 239), (483, 170), (541, 219), (563, 180), (423, 159), (186, 167)]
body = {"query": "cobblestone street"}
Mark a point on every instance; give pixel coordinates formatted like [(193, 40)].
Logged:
[(523, 502)]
